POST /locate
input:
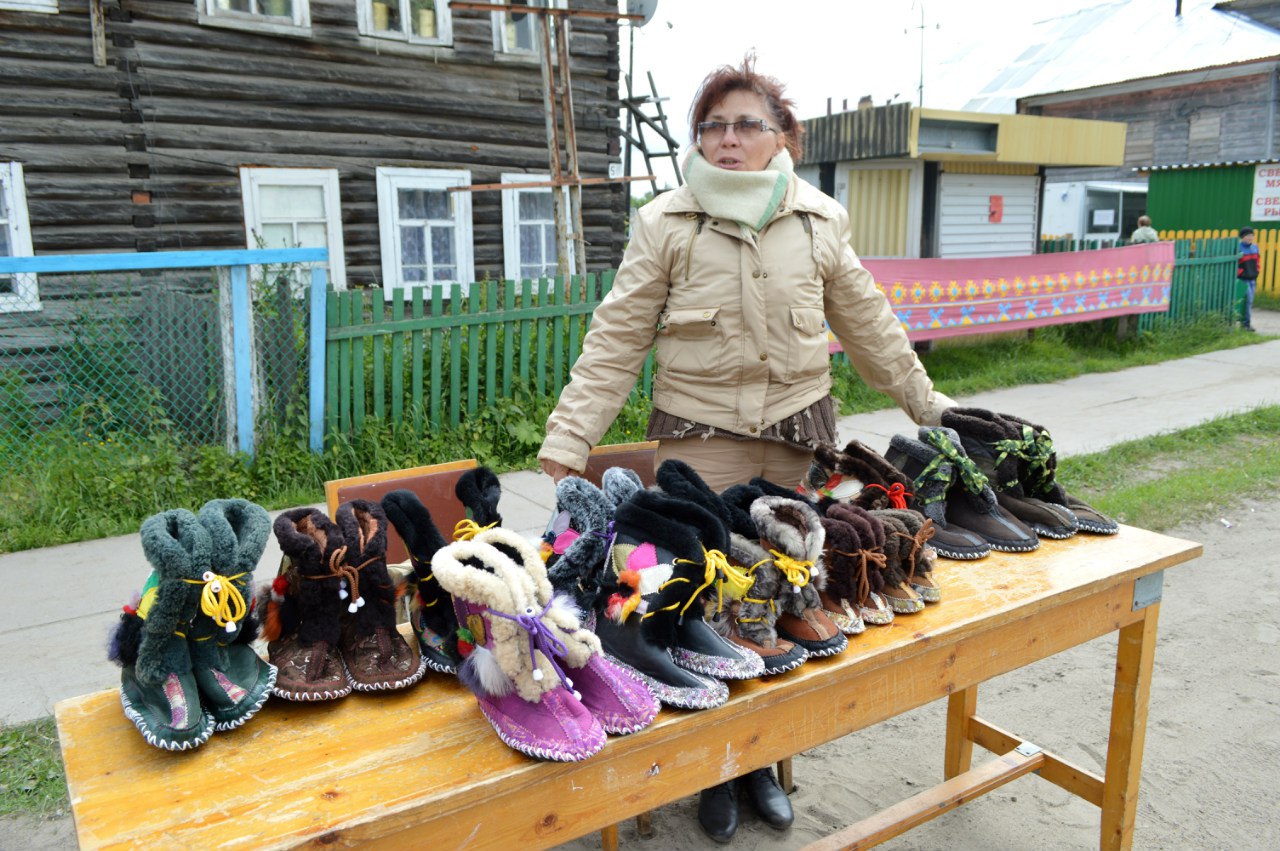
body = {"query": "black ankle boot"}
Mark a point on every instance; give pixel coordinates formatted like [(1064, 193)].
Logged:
[(768, 799), (718, 811)]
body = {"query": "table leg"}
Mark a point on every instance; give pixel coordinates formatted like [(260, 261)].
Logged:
[(644, 824), (609, 838), (1134, 658), (784, 776), (958, 756)]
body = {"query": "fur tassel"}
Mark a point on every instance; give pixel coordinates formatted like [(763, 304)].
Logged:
[(480, 673), (124, 640), (564, 604)]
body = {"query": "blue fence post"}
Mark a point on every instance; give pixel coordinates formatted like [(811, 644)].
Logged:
[(319, 287), (243, 361)]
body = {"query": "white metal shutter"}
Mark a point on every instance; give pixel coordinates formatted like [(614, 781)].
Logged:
[(963, 212)]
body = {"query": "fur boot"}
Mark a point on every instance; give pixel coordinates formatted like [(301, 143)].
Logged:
[(753, 621), (791, 531), (305, 607), (699, 646), (1037, 469), (375, 653), (842, 585), (514, 648), (234, 681), (952, 490), (654, 578), (577, 540), (872, 563), (904, 599), (158, 688), (618, 698), (918, 555), (431, 610), (885, 486), (993, 444)]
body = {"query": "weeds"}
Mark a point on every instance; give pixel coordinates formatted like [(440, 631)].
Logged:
[(31, 776)]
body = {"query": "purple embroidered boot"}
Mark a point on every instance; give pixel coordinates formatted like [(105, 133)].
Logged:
[(612, 693), (513, 655)]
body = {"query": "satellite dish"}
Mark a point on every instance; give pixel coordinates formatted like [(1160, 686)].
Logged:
[(641, 7)]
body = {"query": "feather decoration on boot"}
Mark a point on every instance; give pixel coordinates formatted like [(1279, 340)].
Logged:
[(125, 637), (481, 673)]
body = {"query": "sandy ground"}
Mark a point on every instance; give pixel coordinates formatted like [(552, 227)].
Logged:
[(1212, 750)]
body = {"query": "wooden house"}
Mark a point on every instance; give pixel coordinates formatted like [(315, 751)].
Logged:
[(210, 124), (158, 125)]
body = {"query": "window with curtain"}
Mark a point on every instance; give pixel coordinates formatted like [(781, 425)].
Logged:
[(425, 229)]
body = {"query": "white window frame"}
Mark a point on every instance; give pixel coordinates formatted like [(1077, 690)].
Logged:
[(511, 222), (392, 180), (26, 290), (500, 44), (43, 7), (297, 23), (444, 23), (251, 179)]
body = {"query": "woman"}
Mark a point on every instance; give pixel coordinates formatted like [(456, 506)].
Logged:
[(733, 276)]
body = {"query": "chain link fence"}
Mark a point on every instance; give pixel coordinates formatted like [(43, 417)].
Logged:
[(120, 356)]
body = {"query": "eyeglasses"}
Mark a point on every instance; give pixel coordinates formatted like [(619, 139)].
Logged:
[(746, 129)]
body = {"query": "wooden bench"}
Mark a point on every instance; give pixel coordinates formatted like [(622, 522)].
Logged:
[(423, 768)]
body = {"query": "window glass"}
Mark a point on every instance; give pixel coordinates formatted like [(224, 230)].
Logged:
[(425, 227), (411, 20)]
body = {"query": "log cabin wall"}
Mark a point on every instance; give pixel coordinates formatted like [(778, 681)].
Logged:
[(144, 154)]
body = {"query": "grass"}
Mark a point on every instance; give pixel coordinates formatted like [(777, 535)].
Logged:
[(1155, 483), (1050, 354), (1195, 474), (32, 782)]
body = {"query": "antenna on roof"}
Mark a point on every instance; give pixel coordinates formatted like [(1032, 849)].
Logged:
[(922, 27)]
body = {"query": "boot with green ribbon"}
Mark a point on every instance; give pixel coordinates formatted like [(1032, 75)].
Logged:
[(157, 684), (234, 681)]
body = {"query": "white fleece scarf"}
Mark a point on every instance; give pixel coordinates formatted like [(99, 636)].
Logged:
[(748, 197)]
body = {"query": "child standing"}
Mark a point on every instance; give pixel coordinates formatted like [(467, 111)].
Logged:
[(1247, 272)]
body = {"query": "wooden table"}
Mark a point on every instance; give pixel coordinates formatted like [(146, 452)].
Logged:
[(423, 769)]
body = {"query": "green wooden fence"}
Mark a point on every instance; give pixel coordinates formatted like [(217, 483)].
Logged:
[(425, 360), (1204, 283)]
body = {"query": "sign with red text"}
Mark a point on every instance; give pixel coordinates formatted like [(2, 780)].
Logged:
[(1266, 193)]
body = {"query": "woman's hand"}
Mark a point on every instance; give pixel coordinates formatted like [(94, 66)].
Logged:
[(555, 470)]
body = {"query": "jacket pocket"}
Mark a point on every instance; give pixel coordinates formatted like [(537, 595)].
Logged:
[(690, 340), (807, 350)]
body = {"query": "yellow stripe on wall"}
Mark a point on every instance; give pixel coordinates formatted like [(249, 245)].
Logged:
[(878, 211)]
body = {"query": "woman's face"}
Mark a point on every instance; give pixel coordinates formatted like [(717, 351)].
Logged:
[(741, 151)]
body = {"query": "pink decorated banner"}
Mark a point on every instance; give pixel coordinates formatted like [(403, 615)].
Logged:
[(942, 298)]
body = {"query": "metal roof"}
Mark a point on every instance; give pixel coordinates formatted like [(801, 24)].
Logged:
[(1104, 43), (1226, 164)]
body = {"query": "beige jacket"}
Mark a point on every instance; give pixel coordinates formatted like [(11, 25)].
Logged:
[(738, 320)]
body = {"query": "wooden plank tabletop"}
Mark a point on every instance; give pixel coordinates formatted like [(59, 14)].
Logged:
[(424, 766)]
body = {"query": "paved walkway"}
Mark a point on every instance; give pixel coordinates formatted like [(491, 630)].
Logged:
[(60, 602)]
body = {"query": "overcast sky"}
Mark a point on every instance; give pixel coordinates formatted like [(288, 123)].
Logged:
[(841, 49)]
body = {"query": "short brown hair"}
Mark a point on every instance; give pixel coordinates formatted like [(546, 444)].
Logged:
[(726, 79), (1144, 221)]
